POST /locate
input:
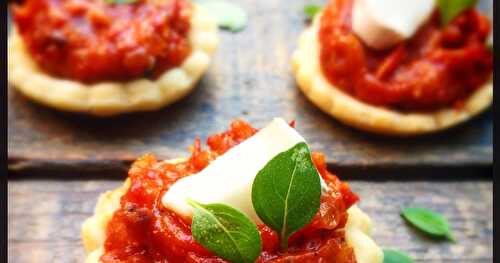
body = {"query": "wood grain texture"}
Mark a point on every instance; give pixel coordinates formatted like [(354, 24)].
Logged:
[(250, 78), (44, 218)]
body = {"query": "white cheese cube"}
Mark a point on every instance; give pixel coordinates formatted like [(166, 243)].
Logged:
[(383, 23), (229, 178)]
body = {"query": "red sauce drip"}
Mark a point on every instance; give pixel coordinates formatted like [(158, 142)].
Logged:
[(438, 67), (143, 231), (91, 41)]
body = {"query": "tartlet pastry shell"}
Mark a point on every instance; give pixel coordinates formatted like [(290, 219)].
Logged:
[(353, 112), (358, 228), (111, 98)]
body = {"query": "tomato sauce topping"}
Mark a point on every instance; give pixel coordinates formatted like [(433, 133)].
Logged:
[(92, 40), (142, 230), (438, 67)]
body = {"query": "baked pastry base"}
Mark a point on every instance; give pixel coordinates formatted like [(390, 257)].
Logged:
[(111, 98), (381, 120), (358, 228)]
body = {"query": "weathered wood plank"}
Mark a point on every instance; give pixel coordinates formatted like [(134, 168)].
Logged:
[(44, 218), (251, 78)]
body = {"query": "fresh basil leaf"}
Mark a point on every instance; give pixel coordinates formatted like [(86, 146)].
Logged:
[(120, 1), (449, 9), (226, 232), (428, 222), (395, 256), (228, 15), (286, 192), (311, 10)]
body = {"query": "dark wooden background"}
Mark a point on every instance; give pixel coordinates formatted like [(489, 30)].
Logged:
[(59, 163), (249, 78)]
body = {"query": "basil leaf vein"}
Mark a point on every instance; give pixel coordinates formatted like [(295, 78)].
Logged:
[(395, 256), (449, 9), (429, 222), (226, 232), (286, 192)]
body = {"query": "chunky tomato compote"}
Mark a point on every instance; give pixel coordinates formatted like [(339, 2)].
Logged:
[(438, 67), (142, 230), (93, 40)]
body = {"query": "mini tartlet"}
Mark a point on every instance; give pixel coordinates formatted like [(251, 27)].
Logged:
[(115, 81), (344, 231), (377, 112)]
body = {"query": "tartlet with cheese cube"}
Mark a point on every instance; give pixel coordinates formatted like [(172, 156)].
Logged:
[(147, 219), (109, 57), (391, 67)]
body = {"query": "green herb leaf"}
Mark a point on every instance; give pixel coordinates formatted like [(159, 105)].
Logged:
[(449, 9), (120, 1), (395, 256), (228, 15), (311, 10), (428, 222), (286, 192), (226, 232)]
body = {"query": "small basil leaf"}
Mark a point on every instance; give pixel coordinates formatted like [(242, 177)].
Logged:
[(449, 9), (226, 232), (286, 192), (428, 222), (228, 15), (311, 10), (395, 256)]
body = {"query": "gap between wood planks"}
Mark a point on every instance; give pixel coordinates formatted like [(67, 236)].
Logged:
[(117, 169)]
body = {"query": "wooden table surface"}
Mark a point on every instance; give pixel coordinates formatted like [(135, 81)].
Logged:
[(249, 78), (45, 216)]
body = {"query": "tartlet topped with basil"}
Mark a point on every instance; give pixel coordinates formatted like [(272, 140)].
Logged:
[(251, 196), (395, 67)]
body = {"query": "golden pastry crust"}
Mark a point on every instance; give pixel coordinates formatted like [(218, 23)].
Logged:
[(111, 98), (358, 228), (353, 112)]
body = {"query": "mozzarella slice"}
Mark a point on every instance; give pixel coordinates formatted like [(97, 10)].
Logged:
[(383, 23), (229, 178)]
